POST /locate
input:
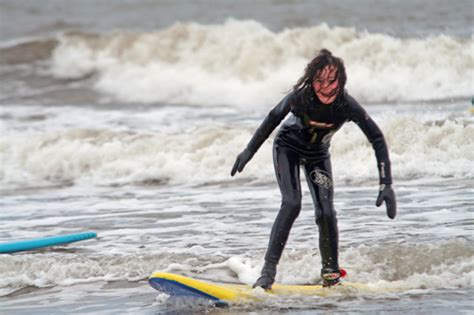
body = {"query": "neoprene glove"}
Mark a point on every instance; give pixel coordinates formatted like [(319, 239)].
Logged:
[(241, 160), (387, 194)]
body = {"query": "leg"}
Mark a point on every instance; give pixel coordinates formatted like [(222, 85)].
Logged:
[(319, 178), (287, 169)]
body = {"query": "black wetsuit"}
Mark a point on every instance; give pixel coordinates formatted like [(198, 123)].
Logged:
[(304, 139)]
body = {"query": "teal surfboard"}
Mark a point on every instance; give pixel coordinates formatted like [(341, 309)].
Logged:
[(44, 242)]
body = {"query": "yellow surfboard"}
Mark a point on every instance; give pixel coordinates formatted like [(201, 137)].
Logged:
[(181, 286)]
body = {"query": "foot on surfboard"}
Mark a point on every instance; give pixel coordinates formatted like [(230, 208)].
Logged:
[(332, 278), (267, 276)]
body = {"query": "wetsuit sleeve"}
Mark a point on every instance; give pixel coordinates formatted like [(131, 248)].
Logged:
[(273, 119), (375, 137)]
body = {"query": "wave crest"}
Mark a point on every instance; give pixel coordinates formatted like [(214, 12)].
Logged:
[(232, 63)]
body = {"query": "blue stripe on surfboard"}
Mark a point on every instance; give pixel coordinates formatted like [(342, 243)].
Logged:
[(44, 242), (175, 288)]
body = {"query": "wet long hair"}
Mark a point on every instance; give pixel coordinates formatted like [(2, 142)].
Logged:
[(323, 59)]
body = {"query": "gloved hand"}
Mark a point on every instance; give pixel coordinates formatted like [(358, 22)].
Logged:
[(241, 160), (387, 194)]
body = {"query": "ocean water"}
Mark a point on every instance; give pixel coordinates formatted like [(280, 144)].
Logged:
[(125, 118)]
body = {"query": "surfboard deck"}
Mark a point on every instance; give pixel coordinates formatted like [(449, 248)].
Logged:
[(181, 286), (18, 246)]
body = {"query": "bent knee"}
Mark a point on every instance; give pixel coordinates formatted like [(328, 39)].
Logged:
[(327, 215), (292, 205)]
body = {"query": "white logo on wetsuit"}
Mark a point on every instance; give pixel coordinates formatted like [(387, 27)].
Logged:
[(321, 178)]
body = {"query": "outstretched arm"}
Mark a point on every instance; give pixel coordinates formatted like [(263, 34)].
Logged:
[(273, 119), (376, 138)]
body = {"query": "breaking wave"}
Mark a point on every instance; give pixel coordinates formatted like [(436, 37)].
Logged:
[(244, 63)]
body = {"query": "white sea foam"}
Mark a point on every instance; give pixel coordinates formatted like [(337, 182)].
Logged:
[(205, 154), (244, 63), (385, 268)]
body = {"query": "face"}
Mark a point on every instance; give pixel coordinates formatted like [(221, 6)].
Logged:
[(326, 85)]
